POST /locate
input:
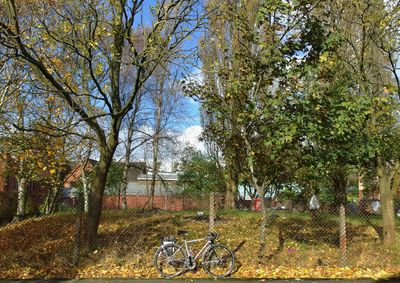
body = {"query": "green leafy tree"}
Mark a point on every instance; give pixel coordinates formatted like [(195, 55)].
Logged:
[(245, 89), (198, 174), (355, 124), (114, 179), (334, 119), (371, 37)]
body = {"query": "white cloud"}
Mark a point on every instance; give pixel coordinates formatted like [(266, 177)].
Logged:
[(197, 77), (191, 136)]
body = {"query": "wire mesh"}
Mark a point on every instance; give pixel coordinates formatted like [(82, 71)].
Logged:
[(297, 237), (330, 235), (39, 245)]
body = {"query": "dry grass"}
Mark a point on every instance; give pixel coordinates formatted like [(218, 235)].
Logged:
[(296, 247)]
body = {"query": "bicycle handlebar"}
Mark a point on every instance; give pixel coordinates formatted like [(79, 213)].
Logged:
[(212, 236)]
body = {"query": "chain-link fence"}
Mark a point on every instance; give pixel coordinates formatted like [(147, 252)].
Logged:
[(40, 245), (322, 234), (302, 240)]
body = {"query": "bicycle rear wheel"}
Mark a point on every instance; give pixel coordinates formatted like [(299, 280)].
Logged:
[(169, 260), (218, 261)]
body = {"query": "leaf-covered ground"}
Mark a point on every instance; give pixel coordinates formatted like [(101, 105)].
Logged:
[(297, 247)]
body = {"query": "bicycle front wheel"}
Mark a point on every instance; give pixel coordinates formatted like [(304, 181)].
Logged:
[(218, 261), (169, 260)]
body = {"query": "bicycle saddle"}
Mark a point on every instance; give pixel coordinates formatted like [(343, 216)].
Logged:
[(182, 232)]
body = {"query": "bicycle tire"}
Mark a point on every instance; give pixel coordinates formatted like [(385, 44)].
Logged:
[(172, 258), (216, 258)]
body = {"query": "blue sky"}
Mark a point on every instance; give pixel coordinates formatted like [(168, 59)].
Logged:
[(190, 44), (189, 125)]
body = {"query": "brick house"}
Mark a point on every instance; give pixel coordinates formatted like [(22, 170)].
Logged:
[(76, 173), (4, 182), (72, 178), (8, 196), (36, 192), (167, 196)]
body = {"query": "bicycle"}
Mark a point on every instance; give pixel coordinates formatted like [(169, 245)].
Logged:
[(172, 259)]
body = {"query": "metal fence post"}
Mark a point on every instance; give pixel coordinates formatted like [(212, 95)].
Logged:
[(212, 211), (343, 237)]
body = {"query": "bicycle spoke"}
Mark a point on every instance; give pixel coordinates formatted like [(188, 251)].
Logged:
[(170, 260), (218, 261), (216, 255)]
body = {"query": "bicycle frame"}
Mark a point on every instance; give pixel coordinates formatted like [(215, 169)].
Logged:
[(186, 244), (172, 259)]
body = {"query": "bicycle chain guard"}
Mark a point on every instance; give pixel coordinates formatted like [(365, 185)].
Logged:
[(191, 264)]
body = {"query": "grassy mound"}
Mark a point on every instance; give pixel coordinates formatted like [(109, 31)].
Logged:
[(297, 246)]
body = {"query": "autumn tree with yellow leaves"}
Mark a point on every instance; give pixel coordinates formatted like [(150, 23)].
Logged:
[(79, 50), (32, 156)]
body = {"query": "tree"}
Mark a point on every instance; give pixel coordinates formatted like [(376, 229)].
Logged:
[(32, 156), (99, 39), (334, 122), (167, 109), (386, 37), (114, 178), (11, 80), (355, 43), (157, 98), (368, 25), (198, 173), (131, 124), (246, 89), (216, 55)]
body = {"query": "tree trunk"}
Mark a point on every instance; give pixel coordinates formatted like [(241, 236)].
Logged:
[(154, 171), (157, 129), (124, 185), (53, 195), (386, 190), (360, 189), (389, 181), (339, 181), (86, 196), (128, 151), (96, 197), (51, 200), (389, 221), (263, 224), (47, 202), (53, 207), (22, 193), (231, 185), (86, 187)]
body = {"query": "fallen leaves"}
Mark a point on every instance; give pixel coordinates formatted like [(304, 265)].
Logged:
[(42, 248)]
